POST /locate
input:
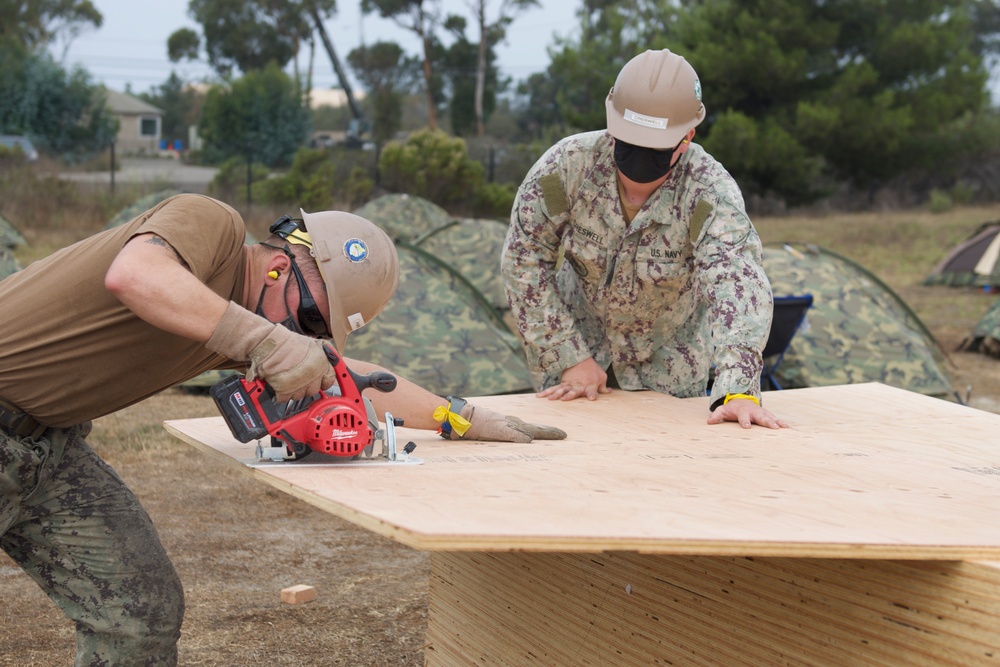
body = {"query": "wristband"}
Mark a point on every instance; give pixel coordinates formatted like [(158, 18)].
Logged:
[(451, 418), (728, 397)]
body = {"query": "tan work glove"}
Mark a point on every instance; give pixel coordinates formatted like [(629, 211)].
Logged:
[(294, 365), (489, 425)]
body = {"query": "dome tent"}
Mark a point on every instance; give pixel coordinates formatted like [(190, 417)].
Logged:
[(985, 337), (857, 330), (975, 262), (404, 216), (472, 246), (443, 329), (140, 205), (10, 239), (440, 332), (10, 236)]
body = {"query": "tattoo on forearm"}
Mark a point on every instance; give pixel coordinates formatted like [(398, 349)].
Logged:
[(156, 240)]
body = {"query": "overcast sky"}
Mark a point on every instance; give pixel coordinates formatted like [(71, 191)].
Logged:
[(131, 45)]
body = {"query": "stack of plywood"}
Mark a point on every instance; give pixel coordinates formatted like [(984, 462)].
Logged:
[(624, 608)]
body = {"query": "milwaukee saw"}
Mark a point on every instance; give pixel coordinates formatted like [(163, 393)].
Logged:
[(338, 422)]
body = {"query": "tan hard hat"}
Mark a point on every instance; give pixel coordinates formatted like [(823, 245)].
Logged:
[(359, 265), (655, 101)]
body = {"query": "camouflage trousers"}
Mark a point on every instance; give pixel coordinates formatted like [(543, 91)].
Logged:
[(72, 524)]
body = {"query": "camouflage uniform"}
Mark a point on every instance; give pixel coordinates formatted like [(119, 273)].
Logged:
[(122, 591), (71, 357), (659, 300)]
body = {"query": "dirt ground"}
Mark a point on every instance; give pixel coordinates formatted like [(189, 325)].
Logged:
[(236, 543)]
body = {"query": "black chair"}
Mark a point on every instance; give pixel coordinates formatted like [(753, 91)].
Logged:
[(789, 313)]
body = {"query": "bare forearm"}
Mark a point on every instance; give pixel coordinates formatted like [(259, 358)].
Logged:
[(149, 278), (410, 402)]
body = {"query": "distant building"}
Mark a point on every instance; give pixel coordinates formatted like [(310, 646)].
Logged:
[(140, 124), (331, 97)]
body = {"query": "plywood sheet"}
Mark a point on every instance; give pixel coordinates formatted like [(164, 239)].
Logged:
[(629, 609), (866, 471)]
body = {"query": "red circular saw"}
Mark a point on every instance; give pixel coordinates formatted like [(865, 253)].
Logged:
[(337, 422)]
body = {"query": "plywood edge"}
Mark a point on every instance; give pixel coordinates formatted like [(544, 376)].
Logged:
[(589, 544), (360, 519), (750, 549), (213, 453)]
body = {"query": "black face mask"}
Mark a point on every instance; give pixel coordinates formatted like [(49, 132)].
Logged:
[(641, 164)]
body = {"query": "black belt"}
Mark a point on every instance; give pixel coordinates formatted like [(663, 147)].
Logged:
[(18, 423)]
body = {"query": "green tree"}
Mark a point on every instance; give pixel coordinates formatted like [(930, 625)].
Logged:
[(35, 24), (388, 75), (459, 75), (319, 180), (860, 90), (582, 72), (422, 18), (802, 95), (62, 111), (181, 107), (261, 114), (535, 106), (491, 32), (246, 34)]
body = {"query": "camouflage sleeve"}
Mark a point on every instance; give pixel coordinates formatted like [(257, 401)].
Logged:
[(529, 263), (737, 291)]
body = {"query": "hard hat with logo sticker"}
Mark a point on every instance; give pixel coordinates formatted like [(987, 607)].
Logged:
[(359, 265), (655, 100)]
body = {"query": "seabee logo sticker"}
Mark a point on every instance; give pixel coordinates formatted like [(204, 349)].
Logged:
[(356, 250)]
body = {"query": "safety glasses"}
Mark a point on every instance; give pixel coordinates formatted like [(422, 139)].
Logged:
[(310, 319)]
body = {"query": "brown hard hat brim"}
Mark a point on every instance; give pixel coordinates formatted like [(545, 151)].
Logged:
[(649, 137), (357, 289)]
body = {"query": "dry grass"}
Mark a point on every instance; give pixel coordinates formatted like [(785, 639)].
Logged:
[(237, 543)]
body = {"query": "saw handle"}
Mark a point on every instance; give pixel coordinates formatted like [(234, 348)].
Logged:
[(378, 380)]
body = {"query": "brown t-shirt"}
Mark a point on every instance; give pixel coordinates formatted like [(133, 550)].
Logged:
[(70, 351)]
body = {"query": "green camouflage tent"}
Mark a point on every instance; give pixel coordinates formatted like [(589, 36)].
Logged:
[(10, 236), (441, 333), (202, 383), (404, 216), (472, 247), (975, 262), (139, 205), (985, 336), (858, 329), (8, 263)]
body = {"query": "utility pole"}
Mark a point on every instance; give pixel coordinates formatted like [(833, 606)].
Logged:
[(328, 45)]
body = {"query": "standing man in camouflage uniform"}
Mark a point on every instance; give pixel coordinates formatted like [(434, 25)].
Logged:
[(630, 253), (139, 308)]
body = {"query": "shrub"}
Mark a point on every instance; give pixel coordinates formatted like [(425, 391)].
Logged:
[(494, 200), (231, 179), (939, 201), (431, 165), (317, 180)]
